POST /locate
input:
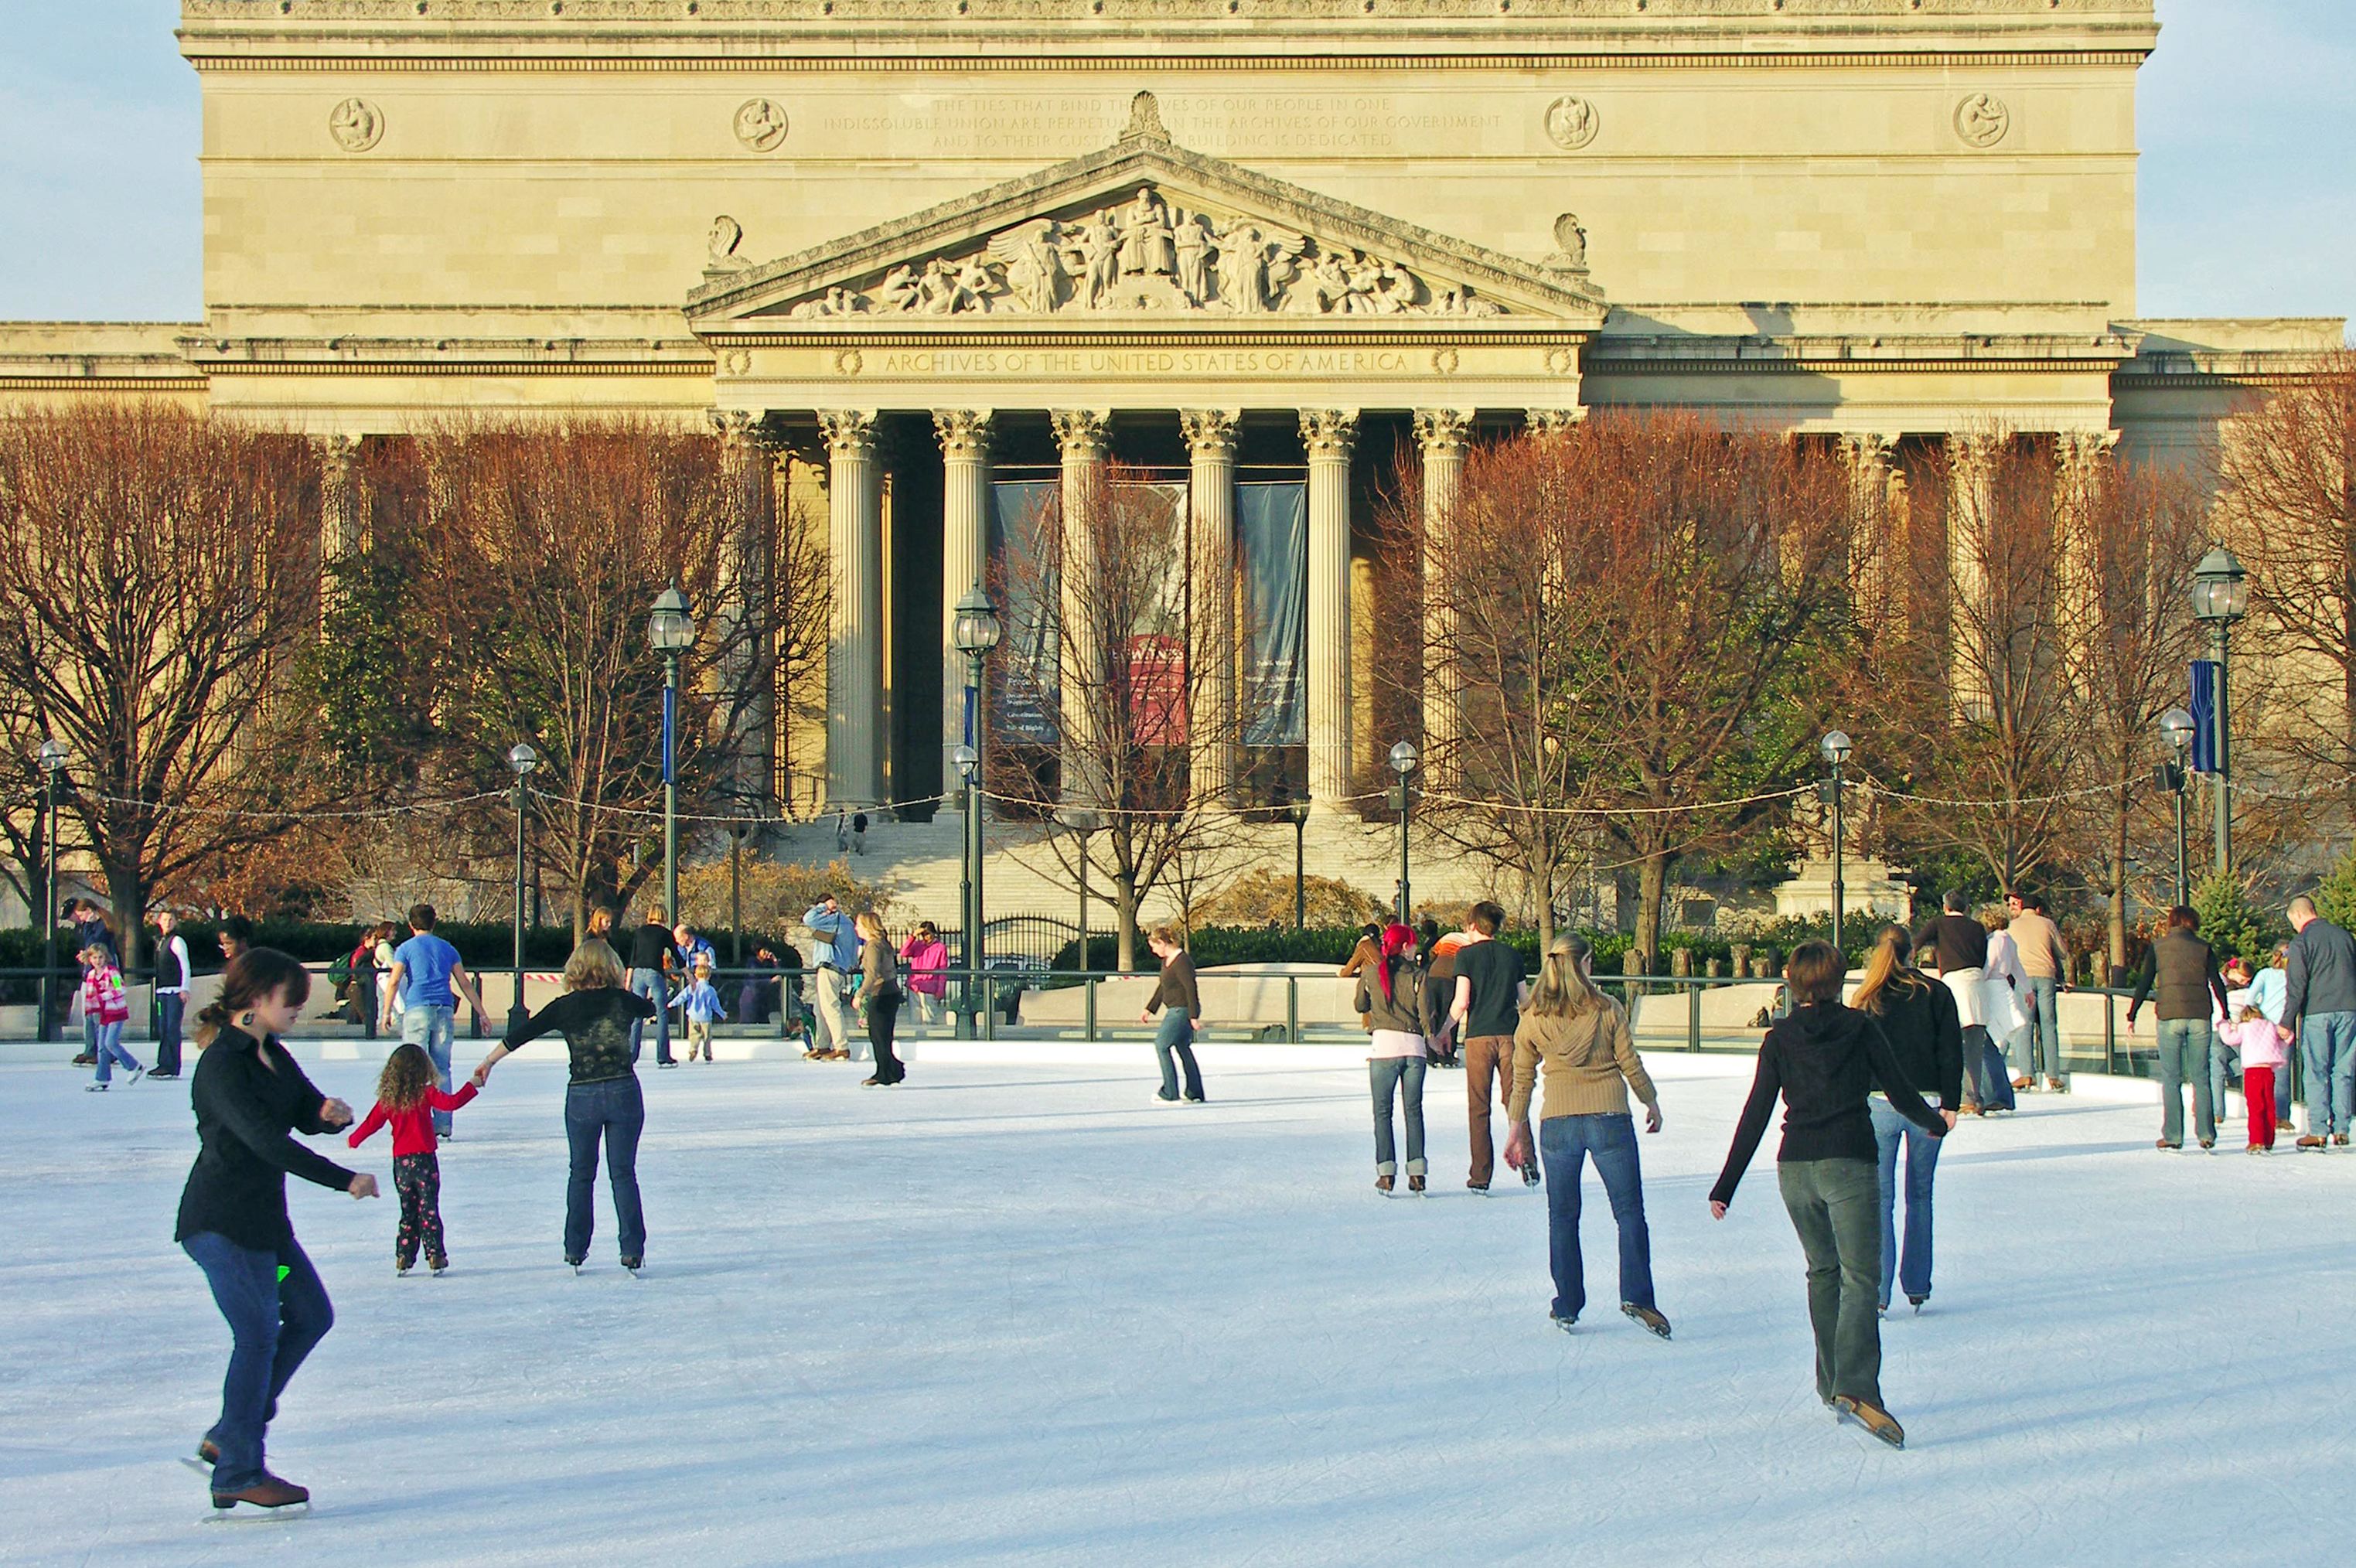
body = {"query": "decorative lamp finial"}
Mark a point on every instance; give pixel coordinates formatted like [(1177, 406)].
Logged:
[(1144, 120)]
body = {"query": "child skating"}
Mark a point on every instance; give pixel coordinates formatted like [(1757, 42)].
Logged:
[(107, 1008), (406, 1099), (701, 1003), (2263, 1058)]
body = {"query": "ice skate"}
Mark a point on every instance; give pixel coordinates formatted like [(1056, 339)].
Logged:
[(1916, 1302), (2312, 1142), (437, 1267), (574, 1263), (1530, 1173), (268, 1495), (1873, 1418), (1563, 1323), (1654, 1324), (1415, 1184), (633, 1265), (94, 1089), (1383, 1185), (401, 1270)]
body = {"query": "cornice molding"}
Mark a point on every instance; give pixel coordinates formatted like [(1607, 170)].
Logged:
[(1423, 59)]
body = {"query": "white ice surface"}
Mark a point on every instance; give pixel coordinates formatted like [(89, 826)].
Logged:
[(1026, 1314)]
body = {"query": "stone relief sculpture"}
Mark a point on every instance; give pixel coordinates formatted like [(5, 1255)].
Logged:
[(1570, 245), (1981, 120), (721, 246), (1571, 122), (356, 124), (1141, 253), (760, 124)]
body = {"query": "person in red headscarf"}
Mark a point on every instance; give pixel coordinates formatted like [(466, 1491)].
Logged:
[(1395, 995)]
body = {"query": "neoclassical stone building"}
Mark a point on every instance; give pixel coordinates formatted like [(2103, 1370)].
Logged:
[(926, 254)]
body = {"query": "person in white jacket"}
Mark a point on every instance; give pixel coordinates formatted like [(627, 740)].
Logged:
[(2005, 985)]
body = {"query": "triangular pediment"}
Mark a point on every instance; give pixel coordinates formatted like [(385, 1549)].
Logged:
[(1143, 229)]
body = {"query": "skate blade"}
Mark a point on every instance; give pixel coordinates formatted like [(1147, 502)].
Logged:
[(199, 1466)]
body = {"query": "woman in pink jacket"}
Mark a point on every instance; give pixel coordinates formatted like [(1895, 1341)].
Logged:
[(928, 957)]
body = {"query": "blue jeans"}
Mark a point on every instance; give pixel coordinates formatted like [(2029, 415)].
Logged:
[(1175, 1037), (616, 1113), (1565, 1143), (2037, 1044), (273, 1324), (1890, 1130), (1986, 1083), (1401, 1076), (2184, 1049), (429, 1025), (170, 1007), (2328, 1040), (648, 983), (108, 1049)]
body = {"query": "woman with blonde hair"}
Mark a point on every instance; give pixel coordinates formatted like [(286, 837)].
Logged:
[(1925, 1033), (879, 997), (1180, 1004), (1581, 1036), (602, 1103)]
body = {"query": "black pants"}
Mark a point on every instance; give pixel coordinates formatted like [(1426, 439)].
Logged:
[(168, 1032), (883, 1014), (417, 1178)]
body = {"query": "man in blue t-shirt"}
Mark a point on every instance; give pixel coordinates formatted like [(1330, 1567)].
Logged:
[(428, 977)]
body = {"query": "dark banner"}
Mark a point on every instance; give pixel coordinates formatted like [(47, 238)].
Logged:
[(2205, 716), (1272, 540)]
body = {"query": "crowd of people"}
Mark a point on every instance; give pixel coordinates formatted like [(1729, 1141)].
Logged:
[(1870, 1079)]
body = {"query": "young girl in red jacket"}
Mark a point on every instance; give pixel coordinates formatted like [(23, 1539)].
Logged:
[(108, 1008), (406, 1098)]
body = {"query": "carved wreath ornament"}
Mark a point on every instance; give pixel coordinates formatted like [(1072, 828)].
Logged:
[(356, 124), (1144, 254), (1981, 120)]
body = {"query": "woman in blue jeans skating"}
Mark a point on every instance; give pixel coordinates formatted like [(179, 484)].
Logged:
[(1581, 1036), (602, 1102), (1918, 1016), (1178, 1002), (250, 1100)]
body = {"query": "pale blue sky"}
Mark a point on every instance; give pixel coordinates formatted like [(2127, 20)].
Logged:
[(2247, 194)]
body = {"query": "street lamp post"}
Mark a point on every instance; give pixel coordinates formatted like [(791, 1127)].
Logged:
[(1837, 748), (974, 632), (2221, 596), (521, 759), (1297, 813), (54, 756), (1403, 759), (2174, 777), (670, 628)]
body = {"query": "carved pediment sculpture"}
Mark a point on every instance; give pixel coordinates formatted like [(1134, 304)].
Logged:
[(1144, 253)]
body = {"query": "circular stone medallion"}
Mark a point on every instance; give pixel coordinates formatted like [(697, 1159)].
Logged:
[(1981, 120), (1571, 122), (356, 124), (760, 124)]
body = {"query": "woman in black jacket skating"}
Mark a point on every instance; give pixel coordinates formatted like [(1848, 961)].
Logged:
[(1824, 1060), (251, 1099), (1918, 1016)]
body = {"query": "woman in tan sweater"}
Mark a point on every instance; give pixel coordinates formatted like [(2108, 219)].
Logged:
[(1582, 1037)]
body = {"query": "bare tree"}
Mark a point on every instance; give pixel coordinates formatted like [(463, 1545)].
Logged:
[(157, 569), (2289, 468), (1130, 694), (1639, 617)]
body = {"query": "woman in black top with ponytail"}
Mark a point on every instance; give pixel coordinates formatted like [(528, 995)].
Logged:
[(250, 1100), (1925, 1032)]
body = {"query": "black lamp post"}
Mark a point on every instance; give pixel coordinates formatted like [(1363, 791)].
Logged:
[(54, 756), (2174, 777), (670, 628), (1836, 747), (1297, 813), (2221, 596), (974, 632), (521, 760), (1404, 760)]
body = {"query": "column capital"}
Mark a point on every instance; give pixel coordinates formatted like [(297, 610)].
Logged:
[(1083, 433), (2084, 448), (1443, 429), (964, 433), (735, 427), (1868, 448), (342, 447), (850, 432), (1328, 432), (1210, 433), (1548, 422)]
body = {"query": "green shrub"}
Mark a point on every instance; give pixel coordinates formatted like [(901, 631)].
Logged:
[(2231, 923)]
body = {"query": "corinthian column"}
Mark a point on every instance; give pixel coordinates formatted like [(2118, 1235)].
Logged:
[(854, 686), (1441, 433), (965, 512), (1082, 434), (340, 511), (1215, 754), (1971, 472), (2078, 457), (1872, 553), (745, 607), (1329, 433)]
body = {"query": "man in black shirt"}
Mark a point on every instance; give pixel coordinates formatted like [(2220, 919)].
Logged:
[(1962, 945), (650, 959), (1488, 1007)]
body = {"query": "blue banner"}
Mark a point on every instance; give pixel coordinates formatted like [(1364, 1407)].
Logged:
[(1273, 538), (2205, 716)]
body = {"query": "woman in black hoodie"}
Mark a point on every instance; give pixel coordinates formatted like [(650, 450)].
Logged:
[(1824, 1060), (1925, 1032)]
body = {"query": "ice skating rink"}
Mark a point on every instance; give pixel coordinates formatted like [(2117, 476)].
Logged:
[(1025, 1315)]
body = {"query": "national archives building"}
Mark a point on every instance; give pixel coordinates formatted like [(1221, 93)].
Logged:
[(929, 257)]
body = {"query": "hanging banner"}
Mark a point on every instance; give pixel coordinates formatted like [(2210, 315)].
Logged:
[(1157, 641), (1272, 540), (2205, 716), (1024, 699)]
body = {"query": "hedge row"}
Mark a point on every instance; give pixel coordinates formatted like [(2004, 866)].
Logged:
[(484, 944)]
